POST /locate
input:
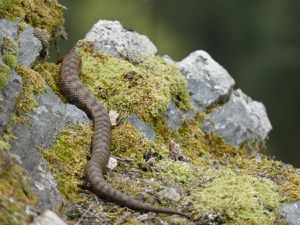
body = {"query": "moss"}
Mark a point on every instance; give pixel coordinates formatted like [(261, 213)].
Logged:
[(178, 171), (241, 199), (10, 60), (4, 4), (4, 75), (33, 84), (22, 26), (43, 14), (126, 88), (176, 82), (7, 135), (129, 143), (285, 176), (15, 191), (68, 158), (50, 73)]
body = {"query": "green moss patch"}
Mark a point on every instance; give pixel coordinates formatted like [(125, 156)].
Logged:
[(15, 192), (68, 157), (43, 14), (145, 90), (4, 75), (240, 199), (33, 84), (50, 73)]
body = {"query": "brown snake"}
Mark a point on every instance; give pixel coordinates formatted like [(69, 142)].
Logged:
[(78, 94)]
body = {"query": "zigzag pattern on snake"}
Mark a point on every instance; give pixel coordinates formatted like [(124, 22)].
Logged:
[(78, 95)]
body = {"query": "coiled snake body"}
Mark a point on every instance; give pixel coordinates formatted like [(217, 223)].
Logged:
[(78, 94)]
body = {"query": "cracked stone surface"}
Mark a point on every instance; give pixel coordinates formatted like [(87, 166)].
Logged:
[(131, 45), (208, 82), (240, 120), (45, 122), (291, 213), (30, 47)]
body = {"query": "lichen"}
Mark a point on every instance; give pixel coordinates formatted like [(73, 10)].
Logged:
[(15, 191), (33, 84), (43, 14)]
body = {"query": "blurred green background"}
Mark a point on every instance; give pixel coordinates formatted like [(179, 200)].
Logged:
[(258, 42)]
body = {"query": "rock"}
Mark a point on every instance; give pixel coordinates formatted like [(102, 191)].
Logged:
[(143, 127), (113, 117), (173, 116), (8, 97), (112, 163), (30, 47), (131, 45), (48, 218), (240, 120), (291, 213), (99, 47), (8, 29), (208, 82), (45, 122), (170, 193)]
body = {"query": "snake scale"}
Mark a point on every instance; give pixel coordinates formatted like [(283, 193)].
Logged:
[(78, 95)]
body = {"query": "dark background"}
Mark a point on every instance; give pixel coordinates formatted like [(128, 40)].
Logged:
[(258, 42)]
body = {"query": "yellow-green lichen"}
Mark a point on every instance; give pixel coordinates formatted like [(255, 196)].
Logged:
[(33, 84), (241, 199), (126, 88), (15, 191), (43, 14)]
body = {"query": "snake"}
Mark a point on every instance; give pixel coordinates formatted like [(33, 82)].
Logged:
[(77, 93)]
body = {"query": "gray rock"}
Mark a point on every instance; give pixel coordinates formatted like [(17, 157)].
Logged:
[(44, 124), (143, 127), (99, 47), (170, 193), (48, 218), (131, 45), (8, 29), (173, 116), (8, 97), (208, 82), (29, 47), (240, 120), (291, 213)]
